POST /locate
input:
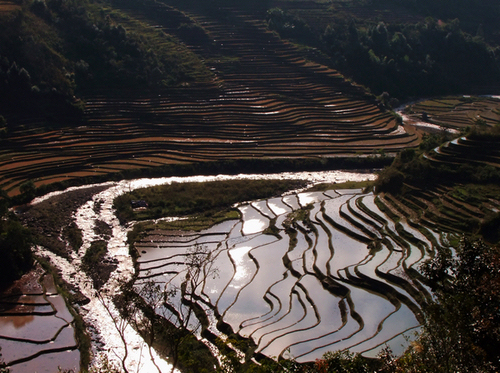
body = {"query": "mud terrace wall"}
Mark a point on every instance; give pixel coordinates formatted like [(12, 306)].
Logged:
[(343, 277)]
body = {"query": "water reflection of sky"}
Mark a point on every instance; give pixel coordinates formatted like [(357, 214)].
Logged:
[(241, 264), (269, 289), (278, 207), (253, 220), (260, 295)]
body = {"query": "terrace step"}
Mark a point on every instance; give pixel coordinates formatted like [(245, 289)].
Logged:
[(271, 103)]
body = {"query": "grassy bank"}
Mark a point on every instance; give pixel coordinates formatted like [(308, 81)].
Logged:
[(228, 167), (198, 199)]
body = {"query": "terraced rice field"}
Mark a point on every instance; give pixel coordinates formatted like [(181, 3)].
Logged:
[(465, 150), (266, 101), (8, 6), (36, 327), (457, 112), (341, 275)]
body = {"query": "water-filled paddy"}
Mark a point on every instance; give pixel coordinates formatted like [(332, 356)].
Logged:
[(280, 278), (314, 286), (36, 332)]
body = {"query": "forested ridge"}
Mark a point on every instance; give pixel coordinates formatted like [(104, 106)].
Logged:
[(407, 48)]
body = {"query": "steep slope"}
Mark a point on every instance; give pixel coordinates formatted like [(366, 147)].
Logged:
[(267, 101)]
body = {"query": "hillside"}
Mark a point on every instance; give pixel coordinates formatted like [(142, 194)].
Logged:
[(405, 48), (90, 89), (240, 93)]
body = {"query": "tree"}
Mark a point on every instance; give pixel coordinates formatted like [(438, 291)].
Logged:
[(461, 332), (342, 362), (28, 190), (167, 314), (15, 250)]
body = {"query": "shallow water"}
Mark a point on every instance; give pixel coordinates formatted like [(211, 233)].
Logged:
[(35, 326), (100, 312), (286, 307)]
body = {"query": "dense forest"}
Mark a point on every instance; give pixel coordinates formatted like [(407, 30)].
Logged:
[(454, 49)]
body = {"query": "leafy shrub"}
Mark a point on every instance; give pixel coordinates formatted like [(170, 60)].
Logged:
[(490, 228), (193, 33), (461, 330), (73, 235), (95, 253), (194, 198), (389, 180), (15, 250), (431, 141)]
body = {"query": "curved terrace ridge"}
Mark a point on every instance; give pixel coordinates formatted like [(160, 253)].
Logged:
[(267, 101), (305, 289)]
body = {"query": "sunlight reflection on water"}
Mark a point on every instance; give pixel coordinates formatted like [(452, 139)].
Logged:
[(94, 314)]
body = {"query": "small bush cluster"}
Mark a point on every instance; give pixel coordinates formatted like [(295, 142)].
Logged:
[(179, 199), (15, 250)]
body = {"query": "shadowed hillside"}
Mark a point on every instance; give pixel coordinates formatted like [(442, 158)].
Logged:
[(265, 101)]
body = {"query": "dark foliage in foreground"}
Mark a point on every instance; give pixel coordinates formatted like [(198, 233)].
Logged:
[(15, 250), (462, 328)]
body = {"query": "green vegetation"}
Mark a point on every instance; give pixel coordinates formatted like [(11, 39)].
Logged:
[(406, 59), (412, 168), (95, 264), (457, 186), (461, 338), (52, 50), (299, 215), (71, 298), (484, 133), (95, 254), (195, 222), (15, 249), (73, 235), (179, 199), (173, 342), (344, 185), (478, 18)]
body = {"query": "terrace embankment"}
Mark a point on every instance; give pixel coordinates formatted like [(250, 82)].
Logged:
[(52, 219), (37, 330), (266, 102), (456, 112), (312, 272), (304, 289)]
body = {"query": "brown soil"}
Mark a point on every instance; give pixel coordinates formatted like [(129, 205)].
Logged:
[(269, 100), (47, 219), (27, 284)]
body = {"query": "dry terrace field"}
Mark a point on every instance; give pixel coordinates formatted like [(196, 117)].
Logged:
[(266, 101), (457, 112)]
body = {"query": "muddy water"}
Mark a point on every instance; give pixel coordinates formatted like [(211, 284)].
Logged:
[(285, 308), (107, 330), (36, 333)]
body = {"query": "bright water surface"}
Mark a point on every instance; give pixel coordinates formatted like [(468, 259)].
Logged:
[(104, 320)]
